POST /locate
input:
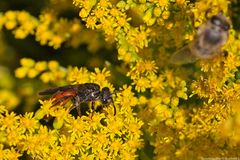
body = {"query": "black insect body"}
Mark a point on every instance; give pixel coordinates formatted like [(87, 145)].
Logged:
[(80, 93)]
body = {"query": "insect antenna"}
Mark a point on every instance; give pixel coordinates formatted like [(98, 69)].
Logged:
[(113, 107), (115, 92)]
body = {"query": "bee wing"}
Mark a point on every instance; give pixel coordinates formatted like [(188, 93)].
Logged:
[(57, 89), (183, 56)]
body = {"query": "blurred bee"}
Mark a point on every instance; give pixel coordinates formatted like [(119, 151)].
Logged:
[(210, 37)]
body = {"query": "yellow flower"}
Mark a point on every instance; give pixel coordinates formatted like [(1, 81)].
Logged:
[(157, 83), (46, 106), (150, 67), (9, 121), (115, 12), (79, 76), (53, 65), (91, 22), (142, 84), (100, 77), (32, 73), (13, 154), (126, 97), (83, 13), (56, 41), (10, 15), (21, 72), (2, 109), (174, 102), (27, 62), (41, 66), (180, 2), (3, 152), (22, 16), (122, 21), (55, 154), (148, 17), (163, 112), (10, 24), (107, 24), (163, 3), (104, 3), (165, 15), (76, 27), (46, 77), (77, 127), (14, 136), (100, 13), (114, 129), (67, 145), (28, 122), (20, 33), (115, 147), (128, 155), (145, 33), (157, 11), (102, 155), (142, 100)]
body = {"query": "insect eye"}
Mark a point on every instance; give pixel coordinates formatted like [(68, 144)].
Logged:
[(106, 95), (225, 26), (219, 22), (216, 20)]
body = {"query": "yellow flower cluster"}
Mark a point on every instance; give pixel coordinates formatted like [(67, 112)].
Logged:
[(215, 91), (48, 29), (163, 106), (7, 93), (202, 9), (22, 23), (185, 112), (49, 71), (99, 134), (54, 32), (143, 73), (114, 22)]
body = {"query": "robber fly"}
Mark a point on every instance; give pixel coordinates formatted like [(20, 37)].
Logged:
[(210, 37), (80, 93)]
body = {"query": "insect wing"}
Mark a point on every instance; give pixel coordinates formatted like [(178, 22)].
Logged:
[(57, 89), (63, 97), (183, 56)]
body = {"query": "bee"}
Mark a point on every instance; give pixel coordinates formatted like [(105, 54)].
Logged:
[(210, 37), (80, 93)]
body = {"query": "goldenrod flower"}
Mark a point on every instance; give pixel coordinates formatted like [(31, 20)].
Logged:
[(78, 75), (91, 22), (12, 154), (28, 123), (100, 76), (141, 84), (163, 111)]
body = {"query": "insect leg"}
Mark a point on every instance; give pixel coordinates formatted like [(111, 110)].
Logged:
[(73, 107), (113, 107), (79, 111), (92, 108), (76, 105)]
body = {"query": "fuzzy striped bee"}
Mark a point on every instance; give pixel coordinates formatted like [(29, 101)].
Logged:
[(210, 37)]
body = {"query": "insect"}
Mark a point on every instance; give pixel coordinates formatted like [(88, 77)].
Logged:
[(80, 93), (210, 37)]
